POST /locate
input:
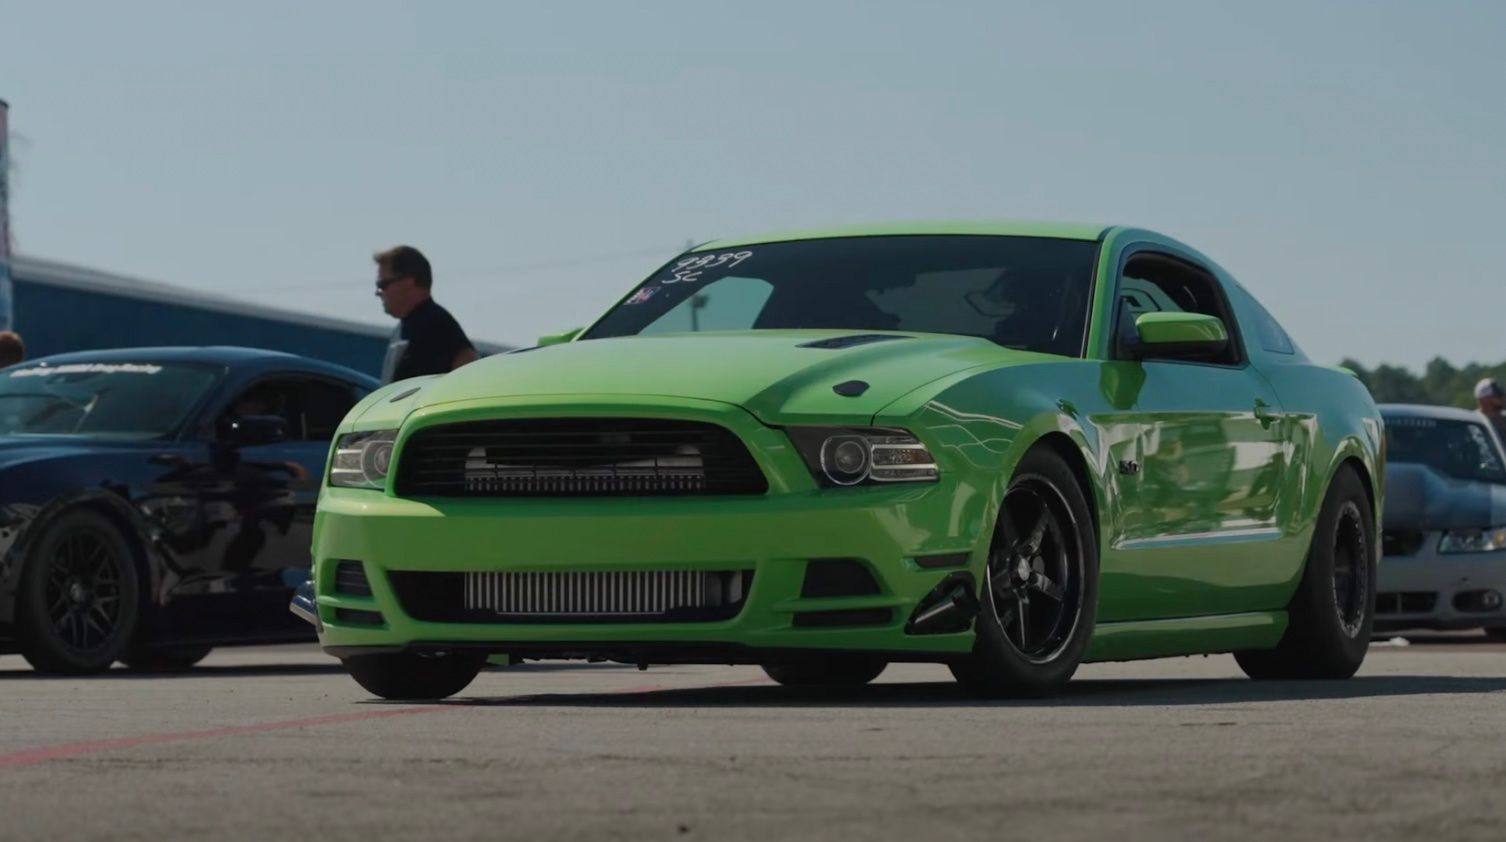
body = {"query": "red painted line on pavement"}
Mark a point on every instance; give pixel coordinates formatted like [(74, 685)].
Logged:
[(32, 756), (57, 752)]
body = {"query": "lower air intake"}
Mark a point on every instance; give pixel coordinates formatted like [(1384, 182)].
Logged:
[(572, 596)]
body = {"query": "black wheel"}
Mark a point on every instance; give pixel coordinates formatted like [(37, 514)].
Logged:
[(165, 659), (1039, 600), (827, 671), (80, 596), (1332, 614), (405, 675)]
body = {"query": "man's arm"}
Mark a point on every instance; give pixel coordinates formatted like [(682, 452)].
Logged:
[(466, 355)]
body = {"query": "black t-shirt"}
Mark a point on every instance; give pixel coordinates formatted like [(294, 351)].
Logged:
[(426, 342)]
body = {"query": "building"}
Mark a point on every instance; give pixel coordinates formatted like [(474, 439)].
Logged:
[(58, 307)]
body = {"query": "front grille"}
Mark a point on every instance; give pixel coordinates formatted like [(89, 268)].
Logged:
[(1400, 542), (572, 596), (1405, 602), (577, 457)]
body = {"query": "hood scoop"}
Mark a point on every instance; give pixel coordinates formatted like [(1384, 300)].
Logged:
[(837, 342)]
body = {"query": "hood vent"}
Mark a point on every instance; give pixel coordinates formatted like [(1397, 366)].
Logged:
[(854, 340)]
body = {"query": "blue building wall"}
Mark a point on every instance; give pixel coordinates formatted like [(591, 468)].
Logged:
[(53, 319)]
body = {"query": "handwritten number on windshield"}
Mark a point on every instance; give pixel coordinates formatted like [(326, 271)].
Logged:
[(689, 269)]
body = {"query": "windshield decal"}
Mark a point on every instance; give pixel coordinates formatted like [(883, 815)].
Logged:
[(87, 368), (689, 269)]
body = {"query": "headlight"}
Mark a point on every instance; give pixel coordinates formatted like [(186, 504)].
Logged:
[(839, 456), (362, 460), (1473, 540)]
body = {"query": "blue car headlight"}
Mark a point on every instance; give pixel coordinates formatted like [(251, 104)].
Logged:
[(846, 456), (362, 460)]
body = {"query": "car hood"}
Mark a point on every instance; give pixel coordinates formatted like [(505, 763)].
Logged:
[(1420, 498), (773, 374)]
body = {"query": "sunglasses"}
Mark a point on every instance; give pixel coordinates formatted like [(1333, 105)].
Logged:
[(383, 283)]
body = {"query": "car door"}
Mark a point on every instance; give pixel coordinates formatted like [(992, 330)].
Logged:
[(256, 496), (1197, 456)]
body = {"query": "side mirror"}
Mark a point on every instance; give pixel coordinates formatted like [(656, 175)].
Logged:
[(1175, 335), (560, 338), (251, 430)]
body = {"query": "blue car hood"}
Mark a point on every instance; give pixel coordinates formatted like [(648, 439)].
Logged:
[(1420, 498)]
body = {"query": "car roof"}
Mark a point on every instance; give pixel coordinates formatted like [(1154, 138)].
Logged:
[(1420, 410), (253, 359), (998, 228)]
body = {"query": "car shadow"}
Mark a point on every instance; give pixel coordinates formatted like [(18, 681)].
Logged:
[(1079, 693)]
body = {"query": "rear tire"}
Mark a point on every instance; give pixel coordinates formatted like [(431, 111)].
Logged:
[(1039, 598), (827, 671), (166, 659), (79, 601), (1332, 614), (413, 677)]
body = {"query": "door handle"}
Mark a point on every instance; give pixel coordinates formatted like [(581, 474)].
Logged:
[(1264, 413)]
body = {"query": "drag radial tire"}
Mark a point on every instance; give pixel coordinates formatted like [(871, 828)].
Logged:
[(79, 600), (165, 659), (406, 675), (1039, 596), (1331, 615), (852, 670)]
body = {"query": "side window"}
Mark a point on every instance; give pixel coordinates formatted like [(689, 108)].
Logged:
[(325, 405), (311, 408), (1157, 283), (731, 303), (1268, 331)]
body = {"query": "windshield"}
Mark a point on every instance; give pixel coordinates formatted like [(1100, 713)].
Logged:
[(1021, 292), (124, 400), (1458, 449)]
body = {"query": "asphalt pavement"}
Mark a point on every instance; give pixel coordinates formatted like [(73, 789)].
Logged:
[(278, 742)]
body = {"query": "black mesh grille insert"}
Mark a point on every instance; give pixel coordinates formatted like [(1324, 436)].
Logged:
[(1405, 602), (645, 596), (577, 457), (350, 578)]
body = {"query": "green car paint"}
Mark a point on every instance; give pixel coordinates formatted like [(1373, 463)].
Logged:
[(1205, 481)]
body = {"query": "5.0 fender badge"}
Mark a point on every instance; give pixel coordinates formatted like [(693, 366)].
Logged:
[(1129, 467)]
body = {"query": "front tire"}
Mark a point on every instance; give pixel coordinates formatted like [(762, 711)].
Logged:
[(1039, 598), (79, 601), (1332, 615), (827, 671), (408, 676)]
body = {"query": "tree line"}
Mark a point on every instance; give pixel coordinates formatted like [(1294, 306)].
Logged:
[(1440, 382)]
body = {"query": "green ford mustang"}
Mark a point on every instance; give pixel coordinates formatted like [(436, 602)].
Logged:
[(1008, 448)]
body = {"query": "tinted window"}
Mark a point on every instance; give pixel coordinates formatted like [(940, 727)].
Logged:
[(1268, 331), (1459, 449), (311, 408), (127, 400), (1021, 292), (1155, 283)]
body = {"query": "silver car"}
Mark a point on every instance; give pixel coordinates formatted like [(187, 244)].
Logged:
[(1443, 542)]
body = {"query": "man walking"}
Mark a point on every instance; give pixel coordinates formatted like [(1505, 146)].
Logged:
[(428, 340), (1491, 399)]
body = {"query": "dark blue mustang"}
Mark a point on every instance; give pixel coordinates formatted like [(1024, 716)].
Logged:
[(157, 502)]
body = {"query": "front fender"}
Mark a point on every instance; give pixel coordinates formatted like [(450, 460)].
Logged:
[(23, 518)]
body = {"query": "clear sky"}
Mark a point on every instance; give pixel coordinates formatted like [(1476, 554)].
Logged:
[(1345, 160)]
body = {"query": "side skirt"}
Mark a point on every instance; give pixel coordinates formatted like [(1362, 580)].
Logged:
[(1140, 639)]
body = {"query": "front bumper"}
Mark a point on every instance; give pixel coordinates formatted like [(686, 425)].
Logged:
[(895, 531), (1429, 590)]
